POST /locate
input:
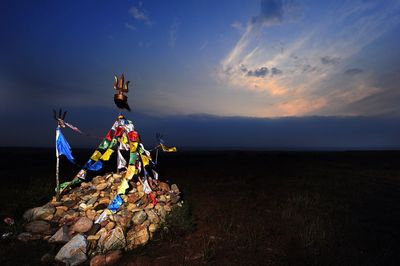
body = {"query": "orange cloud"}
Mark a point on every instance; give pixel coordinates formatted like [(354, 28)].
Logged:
[(300, 106)]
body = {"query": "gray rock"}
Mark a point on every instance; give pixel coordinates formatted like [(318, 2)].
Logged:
[(175, 188), (174, 198), (139, 217), (115, 239), (138, 236), (61, 236), (153, 217), (74, 252), (38, 227), (39, 213), (92, 201)]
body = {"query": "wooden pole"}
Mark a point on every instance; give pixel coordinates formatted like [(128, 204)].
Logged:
[(57, 171)]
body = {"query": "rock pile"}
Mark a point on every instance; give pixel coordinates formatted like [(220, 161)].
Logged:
[(72, 219)]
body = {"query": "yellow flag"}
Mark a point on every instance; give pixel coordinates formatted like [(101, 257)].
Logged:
[(168, 149), (96, 156), (130, 172), (145, 159), (106, 155), (133, 146), (124, 139), (123, 186)]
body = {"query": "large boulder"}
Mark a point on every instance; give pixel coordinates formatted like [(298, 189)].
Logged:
[(74, 252), (114, 239), (38, 227), (137, 236), (61, 236), (44, 212), (82, 225)]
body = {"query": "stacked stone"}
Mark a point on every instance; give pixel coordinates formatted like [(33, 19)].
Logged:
[(71, 220)]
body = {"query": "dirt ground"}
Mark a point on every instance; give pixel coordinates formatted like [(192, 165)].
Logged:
[(248, 208)]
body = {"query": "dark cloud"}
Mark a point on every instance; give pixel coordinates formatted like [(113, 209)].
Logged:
[(330, 60), (353, 71), (271, 12), (308, 68), (259, 72), (275, 71), (380, 103)]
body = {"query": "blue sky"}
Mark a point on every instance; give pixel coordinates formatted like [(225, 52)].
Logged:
[(230, 61)]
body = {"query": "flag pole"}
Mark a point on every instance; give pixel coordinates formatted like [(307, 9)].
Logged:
[(156, 155), (57, 169)]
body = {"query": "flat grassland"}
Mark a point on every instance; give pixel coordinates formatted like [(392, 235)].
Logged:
[(241, 207)]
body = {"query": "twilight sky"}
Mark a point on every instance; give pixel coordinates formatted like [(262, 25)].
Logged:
[(234, 73)]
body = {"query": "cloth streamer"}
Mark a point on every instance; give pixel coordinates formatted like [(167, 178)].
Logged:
[(62, 146), (116, 203)]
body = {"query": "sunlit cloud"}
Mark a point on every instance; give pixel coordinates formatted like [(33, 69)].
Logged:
[(308, 73)]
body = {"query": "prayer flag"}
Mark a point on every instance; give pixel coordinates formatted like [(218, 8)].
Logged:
[(93, 165), (168, 149), (106, 155), (62, 146), (121, 162)]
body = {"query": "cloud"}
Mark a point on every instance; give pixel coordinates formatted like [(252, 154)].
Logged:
[(140, 15), (308, 68), (353, 71), (305, 75), (260, 72), (173, 32), (330, 60), (275, 71)]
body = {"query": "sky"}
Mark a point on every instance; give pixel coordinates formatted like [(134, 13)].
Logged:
[(233, 73)]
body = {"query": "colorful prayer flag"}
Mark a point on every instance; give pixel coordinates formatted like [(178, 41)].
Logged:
[(62, 146)]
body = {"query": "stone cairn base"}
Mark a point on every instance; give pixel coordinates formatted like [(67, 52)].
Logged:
[(71, 220)]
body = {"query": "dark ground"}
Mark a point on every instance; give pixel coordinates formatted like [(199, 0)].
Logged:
[(249, 208)]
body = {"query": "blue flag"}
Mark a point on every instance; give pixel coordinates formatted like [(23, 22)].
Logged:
[(116, 203), (62, 146), (93, 166)]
